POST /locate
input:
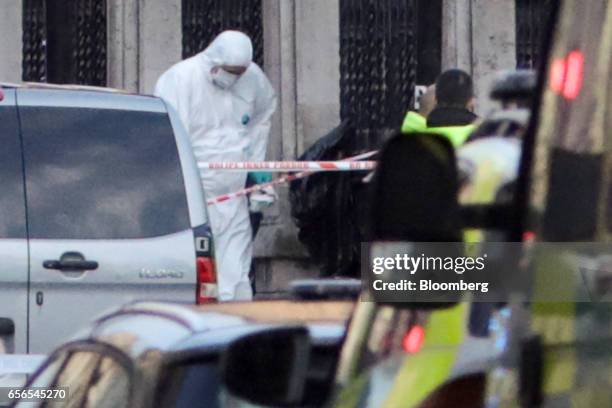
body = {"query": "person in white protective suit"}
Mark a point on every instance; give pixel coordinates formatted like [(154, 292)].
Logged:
[(225, 102)]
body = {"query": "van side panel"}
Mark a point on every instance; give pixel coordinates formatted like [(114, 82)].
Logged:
[(13, 238)]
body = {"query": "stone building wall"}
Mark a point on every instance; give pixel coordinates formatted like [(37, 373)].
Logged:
[(301, 54)]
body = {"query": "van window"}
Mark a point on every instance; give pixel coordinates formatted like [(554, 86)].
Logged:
[(196, 383), (101, 174), (182, 385), (12, 202)]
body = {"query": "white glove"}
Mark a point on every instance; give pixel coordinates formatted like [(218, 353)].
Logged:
[(262, 199)]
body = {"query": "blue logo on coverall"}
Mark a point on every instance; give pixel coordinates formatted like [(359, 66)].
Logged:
[(246, 119)]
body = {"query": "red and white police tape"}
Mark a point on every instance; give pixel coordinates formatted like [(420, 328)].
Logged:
[(289, 166), (288, 178)]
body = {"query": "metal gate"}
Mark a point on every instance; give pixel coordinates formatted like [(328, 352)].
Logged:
[(90, 36), (532, 19), (64, 42), (34, 41), (378, 65), (204, 19)]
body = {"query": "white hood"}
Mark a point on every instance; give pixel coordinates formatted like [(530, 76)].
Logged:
[(230, 48)]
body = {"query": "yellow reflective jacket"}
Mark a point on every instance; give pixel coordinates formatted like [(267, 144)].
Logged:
[(416, 123)]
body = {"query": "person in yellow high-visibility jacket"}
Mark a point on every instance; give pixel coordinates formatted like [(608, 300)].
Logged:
[(446, 109)]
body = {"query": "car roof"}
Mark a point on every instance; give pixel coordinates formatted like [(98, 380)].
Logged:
[(274, 311), (81, 96), (45, 85), (170, 326)]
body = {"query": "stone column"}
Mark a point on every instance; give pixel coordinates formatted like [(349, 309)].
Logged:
[(159, 40), (123, 52), (457, 35), (317, 69), (479, 36), (279, 66), (279, 256), (302, 44), (493, 46), (11, 44)]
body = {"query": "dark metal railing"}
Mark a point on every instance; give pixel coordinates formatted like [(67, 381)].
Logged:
[(64, 42), (203, 20), (377, 65), (34, 41), (532, 17)]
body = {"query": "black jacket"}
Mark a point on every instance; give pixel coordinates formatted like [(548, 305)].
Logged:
[(448, 116), (329, 208)]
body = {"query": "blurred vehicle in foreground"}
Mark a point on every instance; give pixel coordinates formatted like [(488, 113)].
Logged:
[(547, 345), (101, 205), (167, 355)]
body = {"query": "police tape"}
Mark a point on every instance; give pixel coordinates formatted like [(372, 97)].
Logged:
[(284, 179), (289, 166)]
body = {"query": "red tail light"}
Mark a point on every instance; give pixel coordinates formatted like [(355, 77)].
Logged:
[(573, 76), (529, 236), (207, 280), (557, 75), (413, 339), (566, 75)]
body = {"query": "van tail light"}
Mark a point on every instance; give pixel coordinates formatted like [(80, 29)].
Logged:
[(206, 271), (207, 280)]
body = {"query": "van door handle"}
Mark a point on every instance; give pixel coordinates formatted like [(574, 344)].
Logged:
[(71, 261), (7, 326)]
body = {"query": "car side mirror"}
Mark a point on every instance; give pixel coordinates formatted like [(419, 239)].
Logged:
[(415, 191), (415, 200), (269, 367)]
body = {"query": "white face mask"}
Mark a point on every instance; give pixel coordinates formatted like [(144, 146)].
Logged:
[(223, 79)]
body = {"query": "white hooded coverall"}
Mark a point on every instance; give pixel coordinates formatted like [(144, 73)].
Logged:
[(224, 125)]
